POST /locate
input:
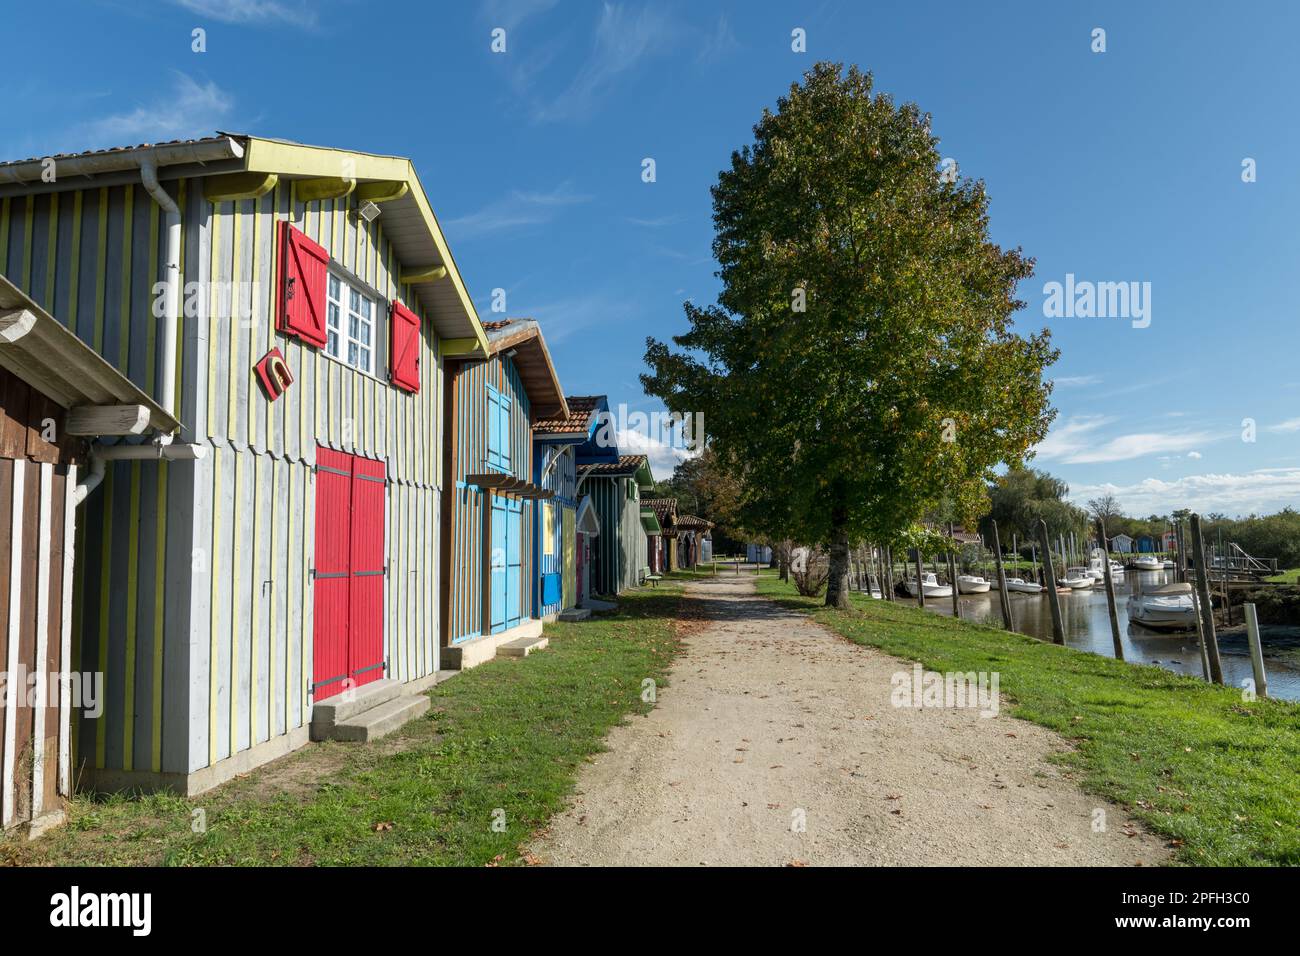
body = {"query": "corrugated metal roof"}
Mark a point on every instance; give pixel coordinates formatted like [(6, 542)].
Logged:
[(51, 359)]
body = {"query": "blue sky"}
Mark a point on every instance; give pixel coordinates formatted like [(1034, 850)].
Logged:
[(1120, 166)]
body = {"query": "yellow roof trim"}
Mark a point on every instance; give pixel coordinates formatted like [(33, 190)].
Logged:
[(295, 159)]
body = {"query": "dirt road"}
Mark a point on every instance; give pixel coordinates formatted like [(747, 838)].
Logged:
[(777, 744)]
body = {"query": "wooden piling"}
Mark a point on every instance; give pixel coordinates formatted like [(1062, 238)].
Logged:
[(1004, 598), (1256, 651), (952, 578), (1053, 599), (1110, 592), (1207, 609), (920, 587), (889, 572)]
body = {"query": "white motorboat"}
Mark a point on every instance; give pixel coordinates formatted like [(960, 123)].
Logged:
[(1169, 565), (1147, 562), (931, 586), (1023, 587), (1168, 607), (972, 584), (1076, 579), (1116, 569), (1097, 562)]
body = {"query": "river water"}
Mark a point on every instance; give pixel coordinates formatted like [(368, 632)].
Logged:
[(1087, 627)]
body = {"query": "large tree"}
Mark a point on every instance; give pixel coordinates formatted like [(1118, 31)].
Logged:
[(859, 365)]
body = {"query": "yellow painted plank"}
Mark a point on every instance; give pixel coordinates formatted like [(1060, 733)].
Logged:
[(132, 619), (124, 313), (52, 253), (159, 607), (74, 278), (255, 308), (232, 369), (212, 606), (4, 234), (105, 588), (214, 242), (236, 567), (254, 617), (28, 224), (101, 267)]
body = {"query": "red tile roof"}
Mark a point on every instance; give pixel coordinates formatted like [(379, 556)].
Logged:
[(577, 422), (626, 465)]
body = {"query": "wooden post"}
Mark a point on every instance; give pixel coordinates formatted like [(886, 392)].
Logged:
[(1004, 597), (952, 578), (1110, 592), (889, 573), (1207, 609), (1053, 599), (920, 588), (1256, 651), (1200, 635)]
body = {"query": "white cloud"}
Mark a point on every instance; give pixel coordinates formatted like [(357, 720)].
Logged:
[(248, 12), (1261, 491), (1290, 425), (663, 457), (515, 211), (562, 318), (191, 109), (1076, 442), (623, 39), (1074, 381), (1194, 455)]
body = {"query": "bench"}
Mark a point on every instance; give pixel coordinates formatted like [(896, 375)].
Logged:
[(654, 579)]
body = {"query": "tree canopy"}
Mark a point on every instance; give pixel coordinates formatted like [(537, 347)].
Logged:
[(860, 364)]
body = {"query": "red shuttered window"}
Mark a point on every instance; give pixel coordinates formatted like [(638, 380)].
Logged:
[(304, 268), (404, 356)]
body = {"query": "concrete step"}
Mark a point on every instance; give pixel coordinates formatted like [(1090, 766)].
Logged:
[(334, 710), (522, 646), (575, 614), (446, 674), (379, 721), (596, 604)]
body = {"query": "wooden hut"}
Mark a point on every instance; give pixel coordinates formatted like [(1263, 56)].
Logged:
[(56, 394), (557, 439), (692, 533), (292, 306), (662, 547), (500, 568), (615, 483)]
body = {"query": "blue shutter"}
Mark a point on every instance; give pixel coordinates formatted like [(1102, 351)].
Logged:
[(498, 417)]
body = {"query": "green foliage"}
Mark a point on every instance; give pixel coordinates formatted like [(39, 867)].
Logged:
[(835, 418), (1023, 496), (1270, 536)]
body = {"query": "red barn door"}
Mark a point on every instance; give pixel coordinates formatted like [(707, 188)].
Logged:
[(348, 640)]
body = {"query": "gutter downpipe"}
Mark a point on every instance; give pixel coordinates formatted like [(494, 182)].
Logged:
[(161, 446)]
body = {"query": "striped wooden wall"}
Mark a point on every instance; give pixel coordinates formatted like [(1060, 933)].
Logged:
[(467, 574), (194, 596), (622, 543), (37, 519), (561, 479)]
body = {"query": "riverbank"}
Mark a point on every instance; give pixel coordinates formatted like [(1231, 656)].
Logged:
[(1195, 762), (496, 755)]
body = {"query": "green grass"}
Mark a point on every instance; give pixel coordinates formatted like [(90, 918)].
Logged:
[(508, 735), (1217, 775), (1289, 576)]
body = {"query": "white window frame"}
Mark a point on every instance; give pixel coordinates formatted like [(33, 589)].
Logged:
[(341, 335)]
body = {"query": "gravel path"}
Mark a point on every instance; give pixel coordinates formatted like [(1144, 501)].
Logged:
[(776, 744)]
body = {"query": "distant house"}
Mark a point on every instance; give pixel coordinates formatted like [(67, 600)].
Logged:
[(758, 553), (1122, 543), (662, 547), (615, 483), (692, 539), (1146, 544)]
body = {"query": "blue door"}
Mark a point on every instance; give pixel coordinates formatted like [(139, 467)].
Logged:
[(497, 563), (506, 562), (514, 563)]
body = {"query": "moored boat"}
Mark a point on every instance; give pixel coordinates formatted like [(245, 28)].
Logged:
[(1076, 579), (1168, 607), (1147, 562), (931, 585), (1021, 586), (972, 584)]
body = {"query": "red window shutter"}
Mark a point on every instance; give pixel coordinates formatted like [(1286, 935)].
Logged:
[(304, 273), (404, 354)]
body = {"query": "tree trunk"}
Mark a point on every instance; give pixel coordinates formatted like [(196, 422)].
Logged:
[(837, 585), (783, 550)]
